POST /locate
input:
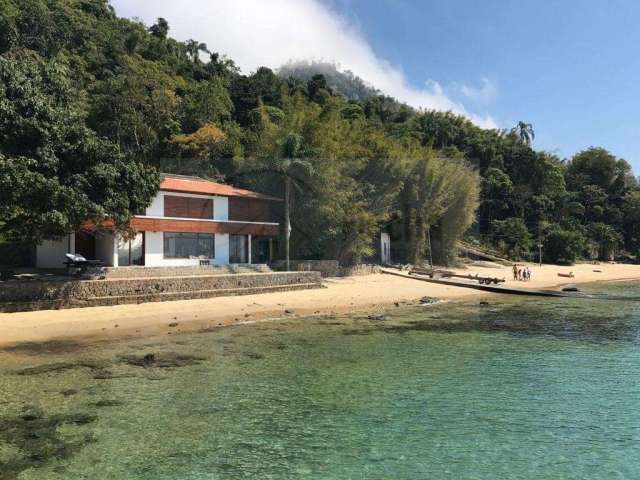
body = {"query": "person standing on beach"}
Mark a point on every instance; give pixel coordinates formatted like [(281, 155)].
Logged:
[(515, 271), (528, 274)]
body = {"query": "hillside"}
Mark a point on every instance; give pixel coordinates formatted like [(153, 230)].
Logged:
[(129, 100)]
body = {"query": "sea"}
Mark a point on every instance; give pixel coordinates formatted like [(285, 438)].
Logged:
[(500, 387)]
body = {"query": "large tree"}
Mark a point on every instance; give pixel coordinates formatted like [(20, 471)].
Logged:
[(55, 173)]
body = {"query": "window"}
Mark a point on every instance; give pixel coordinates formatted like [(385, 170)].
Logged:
[(187, 245), (188, 207)]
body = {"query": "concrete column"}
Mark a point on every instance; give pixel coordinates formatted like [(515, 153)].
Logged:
[(249, 248), (115, 249)]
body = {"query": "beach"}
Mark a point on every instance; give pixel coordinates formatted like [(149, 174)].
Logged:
[(369, 293)]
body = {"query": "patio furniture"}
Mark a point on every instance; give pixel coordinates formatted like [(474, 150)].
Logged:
[(77, 265)]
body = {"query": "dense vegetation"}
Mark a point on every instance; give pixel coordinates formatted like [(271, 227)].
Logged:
[(92, 105)]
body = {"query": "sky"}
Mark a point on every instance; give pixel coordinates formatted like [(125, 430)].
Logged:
[(571, 69)]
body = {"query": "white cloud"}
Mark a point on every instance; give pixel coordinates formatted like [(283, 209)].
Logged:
[(485, 94), (271, 33)]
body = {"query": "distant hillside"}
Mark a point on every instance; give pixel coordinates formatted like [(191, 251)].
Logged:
[(345, 82)]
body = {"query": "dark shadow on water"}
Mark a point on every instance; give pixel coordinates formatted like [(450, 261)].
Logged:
[(565, 322), (37, 440), (95, 366), (52, 347)]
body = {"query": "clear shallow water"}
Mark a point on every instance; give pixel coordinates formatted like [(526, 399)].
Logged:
[(518, 389)]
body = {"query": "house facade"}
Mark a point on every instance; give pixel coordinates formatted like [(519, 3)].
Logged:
[(190, 222)]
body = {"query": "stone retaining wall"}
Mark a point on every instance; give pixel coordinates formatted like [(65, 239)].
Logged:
[(38, 295), (186, 271), (328, 268)]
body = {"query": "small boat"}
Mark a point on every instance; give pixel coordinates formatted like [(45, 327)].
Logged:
[(567, 275)]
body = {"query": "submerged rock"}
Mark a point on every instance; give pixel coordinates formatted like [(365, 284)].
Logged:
[(108, 403), (377, 317), (428, 300), (162, 360), (61, 366)]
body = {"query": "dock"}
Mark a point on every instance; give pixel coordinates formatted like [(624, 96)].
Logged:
[(502, 289)]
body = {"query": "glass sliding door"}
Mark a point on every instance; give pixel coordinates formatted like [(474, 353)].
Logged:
[(189, 245), (238, 249), (131, 252)]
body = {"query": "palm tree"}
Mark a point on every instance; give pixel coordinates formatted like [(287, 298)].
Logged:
[(193, 48), (292, 168), (525, 132)]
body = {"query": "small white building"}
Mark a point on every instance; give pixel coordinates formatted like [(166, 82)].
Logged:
[(191, 221)]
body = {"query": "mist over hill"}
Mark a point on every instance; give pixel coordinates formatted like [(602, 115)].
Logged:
[(344, 82)]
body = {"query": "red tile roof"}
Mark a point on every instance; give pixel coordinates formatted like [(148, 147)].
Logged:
[(206, 187)]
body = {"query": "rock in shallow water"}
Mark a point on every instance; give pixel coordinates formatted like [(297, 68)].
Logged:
[(428, 300), (162, 360)]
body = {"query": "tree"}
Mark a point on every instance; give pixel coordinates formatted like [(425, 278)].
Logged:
[(524, 132), (160, 29), (193, 48), (562, 245), (605, 240), (289, 166), (594, 166), (431, 189), (631, 211), (55, 173), (512, 236)]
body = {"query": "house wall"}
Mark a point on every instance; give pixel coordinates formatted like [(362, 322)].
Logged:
[(155, 226), (50, 253)]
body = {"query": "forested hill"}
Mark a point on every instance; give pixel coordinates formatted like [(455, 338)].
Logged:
[(92, 106)]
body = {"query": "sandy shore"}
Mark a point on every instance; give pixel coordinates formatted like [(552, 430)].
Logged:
[(369, 292)]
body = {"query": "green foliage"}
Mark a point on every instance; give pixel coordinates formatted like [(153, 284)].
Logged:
[(562, 245), (604, 240), (512, 237), (361, 160), (55, 172)]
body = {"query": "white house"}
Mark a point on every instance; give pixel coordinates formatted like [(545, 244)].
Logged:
[(191, 221)]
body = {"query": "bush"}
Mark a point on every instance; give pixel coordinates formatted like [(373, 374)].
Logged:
[(512, 237), (563, 246)]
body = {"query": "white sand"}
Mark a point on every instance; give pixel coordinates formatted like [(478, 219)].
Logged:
[(369, 292)]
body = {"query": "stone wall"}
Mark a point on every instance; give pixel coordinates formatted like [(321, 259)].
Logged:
[(39, 295), (328, 268), (182, 271)]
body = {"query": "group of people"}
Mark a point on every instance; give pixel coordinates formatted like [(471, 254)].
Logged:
[(521, 273)]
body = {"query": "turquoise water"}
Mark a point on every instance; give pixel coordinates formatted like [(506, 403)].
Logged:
[(517, 389)]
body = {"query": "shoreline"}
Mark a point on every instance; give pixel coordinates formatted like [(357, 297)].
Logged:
[(338, 296)]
